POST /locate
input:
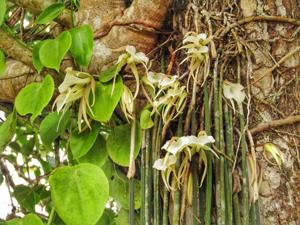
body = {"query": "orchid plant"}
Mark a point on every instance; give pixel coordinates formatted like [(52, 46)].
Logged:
[(184, 147), (197, 51), (131, 59), (167, 95), (76, 86), (272, 150)]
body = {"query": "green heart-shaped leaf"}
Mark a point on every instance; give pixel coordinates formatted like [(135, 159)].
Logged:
[(81, 143), (79, 193), (30, 219), (82, 44), (50, 13), (35, 97), (36, 57), (118, 144), (146, 120), (2, 62), (53, 51), (108, 74), (26, 197), (7, 130), (2, 11), (106, 100), (52, 126), (97, 155)]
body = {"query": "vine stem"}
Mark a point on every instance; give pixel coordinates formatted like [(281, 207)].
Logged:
[(51, 217)]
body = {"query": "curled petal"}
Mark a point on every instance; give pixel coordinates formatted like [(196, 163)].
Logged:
[(160, 165), (130, 49)]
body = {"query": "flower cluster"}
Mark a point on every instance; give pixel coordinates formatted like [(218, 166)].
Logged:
[(167, 95), (197, 49), (186, 147), (76, 86), (131, 59)]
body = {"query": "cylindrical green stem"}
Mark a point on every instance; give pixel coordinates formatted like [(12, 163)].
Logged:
[(236, 206), (228, 166), (208, 187), (156, 137), (148, 180), (176, 193), (143, 180), (165, 220), (131, 172), (131, 201), (51, 216), (245, 186), (219, 176)]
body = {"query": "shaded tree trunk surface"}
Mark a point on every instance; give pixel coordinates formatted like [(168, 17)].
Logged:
[(256, 45)]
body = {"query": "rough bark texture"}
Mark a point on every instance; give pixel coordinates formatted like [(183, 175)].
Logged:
[(280, 88), (114, 26), (276, 96)]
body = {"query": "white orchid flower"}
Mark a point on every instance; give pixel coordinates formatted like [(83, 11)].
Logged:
[(164, 163), (161, 80), (76, 86), (185, 146), (196, 39), (197, 51), (177, 144), (234, 91), (132, 58), (136, 57)]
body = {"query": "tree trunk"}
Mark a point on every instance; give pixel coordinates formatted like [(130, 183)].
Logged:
[(258, 37)]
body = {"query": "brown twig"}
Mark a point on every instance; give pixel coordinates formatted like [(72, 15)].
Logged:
[(275, 123), (277, 64), (249, 19)]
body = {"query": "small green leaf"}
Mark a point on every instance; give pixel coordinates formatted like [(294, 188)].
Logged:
[(36, 57), (2, 11), (146, 120), (7, 130), (108, 74), (118, 144), (35, 97), (30, 219), (81, 143), (2, 62), (106, 100), (26, 197), (82, 44), (53, 51), (119, 190), (79, 193), (50, 13), (52, 126), (97, 155)]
